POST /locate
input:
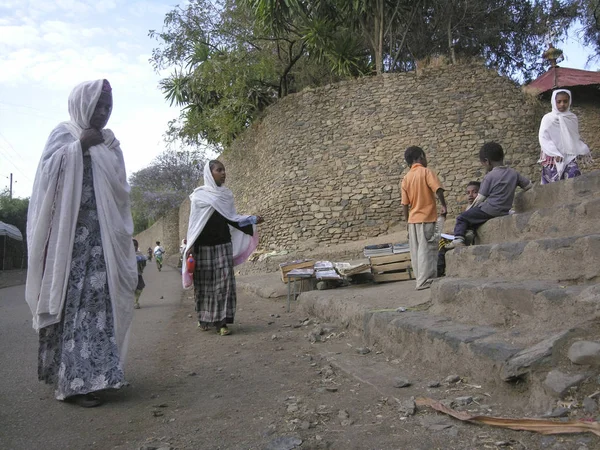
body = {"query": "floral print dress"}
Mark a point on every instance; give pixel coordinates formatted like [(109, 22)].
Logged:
[(79, 354)]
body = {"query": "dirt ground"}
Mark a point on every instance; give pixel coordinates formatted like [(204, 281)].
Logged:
[(268, 385)]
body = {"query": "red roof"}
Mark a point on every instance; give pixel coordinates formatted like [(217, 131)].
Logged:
[(560, 77)]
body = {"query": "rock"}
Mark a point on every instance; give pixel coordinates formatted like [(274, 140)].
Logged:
[(346, 422), (439, 426), (524, 361), (558, 383), (452, 379), (323, 410), (331, 389), (284, 443), (363, 350), (343, 414), (590, 405), (585, 352), (270, 431), (401, 382), (433, 384), (407, 407), (462, 401), (557, 412), (305, 425), (292, 408), (192, 374)]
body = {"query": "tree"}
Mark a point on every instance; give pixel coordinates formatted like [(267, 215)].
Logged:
[(589, 15), (228, 66), (163, 185), (233, 58), (14, 211)]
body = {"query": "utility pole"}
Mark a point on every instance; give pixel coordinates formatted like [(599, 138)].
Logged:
[(10, 187)]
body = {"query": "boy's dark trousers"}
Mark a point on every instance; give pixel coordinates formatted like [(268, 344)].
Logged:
[(471, 218)]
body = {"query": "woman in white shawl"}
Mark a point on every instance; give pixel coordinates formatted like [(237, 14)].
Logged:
[(82, 270), (218, 238), (562, 148)]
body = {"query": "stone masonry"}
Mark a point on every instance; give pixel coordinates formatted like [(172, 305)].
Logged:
[(326, 164)]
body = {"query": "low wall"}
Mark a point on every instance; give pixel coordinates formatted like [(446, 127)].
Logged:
[(165, 230)]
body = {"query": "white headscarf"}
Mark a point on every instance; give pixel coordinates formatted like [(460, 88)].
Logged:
[(204, 201), (559, 135), (54, 208)]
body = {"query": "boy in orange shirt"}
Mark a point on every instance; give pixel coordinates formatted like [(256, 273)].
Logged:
[(419, 189)]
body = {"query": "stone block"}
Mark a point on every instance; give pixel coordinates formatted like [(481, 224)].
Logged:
[(531, 358), (585, 352), (558, 383)]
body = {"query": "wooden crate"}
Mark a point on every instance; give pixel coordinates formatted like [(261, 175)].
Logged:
[(396, 267), (284, 268)]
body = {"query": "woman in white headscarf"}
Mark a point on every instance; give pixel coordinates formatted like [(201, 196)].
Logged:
[(82, 270), (562, 148), (218, 238)]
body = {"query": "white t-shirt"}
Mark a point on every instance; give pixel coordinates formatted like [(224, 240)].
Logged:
[(158, 250)]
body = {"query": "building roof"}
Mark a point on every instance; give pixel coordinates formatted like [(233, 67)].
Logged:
[(11, 231), (562, 77)]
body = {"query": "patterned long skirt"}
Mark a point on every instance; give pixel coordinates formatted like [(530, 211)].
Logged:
[(214, 285), (550, 174), (79, 354)]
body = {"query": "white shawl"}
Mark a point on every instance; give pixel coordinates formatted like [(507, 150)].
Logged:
[(559, 135), (53, 212), (208, 198)]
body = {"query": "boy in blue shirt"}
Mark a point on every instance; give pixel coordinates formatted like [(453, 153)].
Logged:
[(496, 193)]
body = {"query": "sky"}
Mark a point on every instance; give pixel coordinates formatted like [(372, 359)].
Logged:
[(49, 46)]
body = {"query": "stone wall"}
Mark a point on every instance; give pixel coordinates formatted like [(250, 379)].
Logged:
[(326, 164), (588, 114), (165, 230)]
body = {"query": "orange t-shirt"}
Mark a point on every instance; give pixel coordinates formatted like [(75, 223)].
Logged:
[(418, 190)]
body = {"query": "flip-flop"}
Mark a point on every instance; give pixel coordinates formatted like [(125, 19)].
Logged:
[(224, 331), (203, 327), (85, 400)]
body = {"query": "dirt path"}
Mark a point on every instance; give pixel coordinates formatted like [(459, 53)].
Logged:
[(266, 386)]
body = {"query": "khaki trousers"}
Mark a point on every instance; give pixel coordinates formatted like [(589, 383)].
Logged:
[(423, 251)]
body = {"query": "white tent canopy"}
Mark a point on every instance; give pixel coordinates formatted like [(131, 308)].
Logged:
[(11, 231)]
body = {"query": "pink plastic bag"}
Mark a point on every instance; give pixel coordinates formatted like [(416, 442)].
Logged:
[(187, 279)]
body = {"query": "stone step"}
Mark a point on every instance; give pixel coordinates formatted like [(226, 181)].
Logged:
[(481, 353), (515, 361), (571, 260), (563, 192), (509, 304), (573, 219)]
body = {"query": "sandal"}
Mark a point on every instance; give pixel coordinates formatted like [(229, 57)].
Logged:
[(224, 331), (85, 400), (203, 327)]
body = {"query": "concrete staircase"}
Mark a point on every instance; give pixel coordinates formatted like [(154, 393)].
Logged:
[(532, 285), (510, 309)]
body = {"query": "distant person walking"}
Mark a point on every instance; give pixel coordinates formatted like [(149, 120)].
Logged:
[(218, 239), (562, 147), (141, 265), (159, 251), (82, 272)]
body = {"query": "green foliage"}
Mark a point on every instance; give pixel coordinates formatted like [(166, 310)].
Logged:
[(14, 211), (163, 185), (589, 16), (228, 67), (233, 58)]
